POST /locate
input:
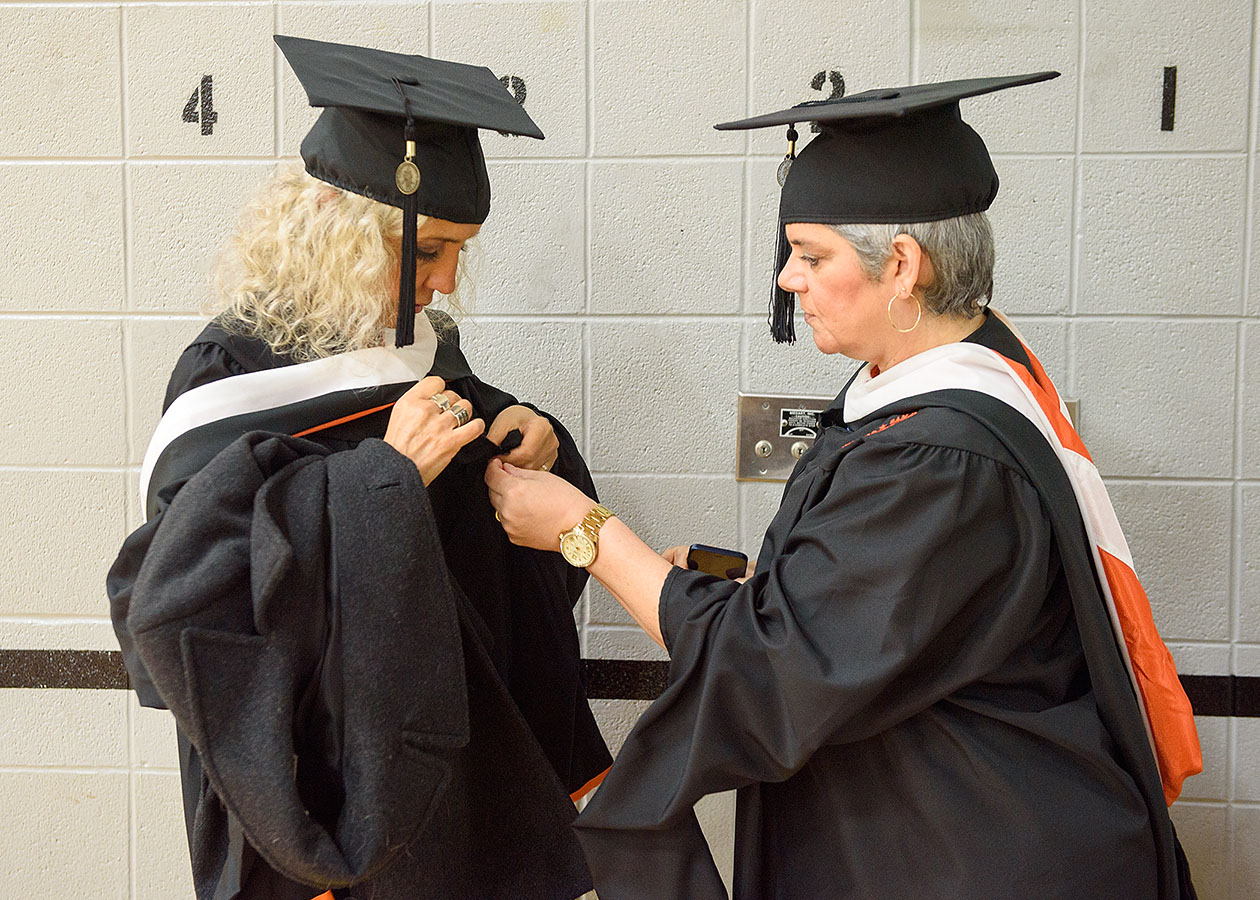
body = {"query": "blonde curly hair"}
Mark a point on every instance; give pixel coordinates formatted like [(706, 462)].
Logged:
[(311, 269)]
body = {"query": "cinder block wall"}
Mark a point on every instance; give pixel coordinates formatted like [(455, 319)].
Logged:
[(622, 280)]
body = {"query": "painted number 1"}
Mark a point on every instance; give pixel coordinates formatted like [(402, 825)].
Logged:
[(200, 106)]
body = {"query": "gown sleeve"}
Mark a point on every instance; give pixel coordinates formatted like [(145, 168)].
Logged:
[(917, 570)]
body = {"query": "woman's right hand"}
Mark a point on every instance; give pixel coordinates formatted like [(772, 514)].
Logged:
[(677, 556), (426, 434)]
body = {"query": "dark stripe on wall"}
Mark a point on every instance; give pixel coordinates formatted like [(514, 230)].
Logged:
[(62, 669), (624, 679), (606, 679)]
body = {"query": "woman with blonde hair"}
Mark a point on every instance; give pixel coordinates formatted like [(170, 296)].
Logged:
[(373, 689)]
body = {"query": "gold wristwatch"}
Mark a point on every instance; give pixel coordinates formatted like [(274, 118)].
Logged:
[(580, 544)]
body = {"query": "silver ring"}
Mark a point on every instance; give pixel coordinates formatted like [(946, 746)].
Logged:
[(546, 468), (462, 416), (441, 401)]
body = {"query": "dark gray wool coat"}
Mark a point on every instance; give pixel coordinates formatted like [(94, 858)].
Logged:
[(361, 738)]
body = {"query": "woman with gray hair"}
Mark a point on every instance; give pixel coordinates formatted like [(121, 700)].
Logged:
[(941, 678)]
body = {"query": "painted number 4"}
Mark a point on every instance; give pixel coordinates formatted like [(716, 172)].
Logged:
[(200, 106)]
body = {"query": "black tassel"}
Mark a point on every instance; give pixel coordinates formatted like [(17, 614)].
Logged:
[(782, 316), (405, 329)]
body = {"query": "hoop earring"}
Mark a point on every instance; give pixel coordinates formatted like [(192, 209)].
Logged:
[(919, 316)]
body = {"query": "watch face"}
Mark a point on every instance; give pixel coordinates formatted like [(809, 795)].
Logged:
[(578, 549)]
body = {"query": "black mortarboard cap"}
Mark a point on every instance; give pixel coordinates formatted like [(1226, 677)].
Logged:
[(402, 129), (898, 155)]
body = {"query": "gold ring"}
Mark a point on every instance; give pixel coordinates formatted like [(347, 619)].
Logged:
[(462, 416), (545, 468), (496, 516), (441, 401)]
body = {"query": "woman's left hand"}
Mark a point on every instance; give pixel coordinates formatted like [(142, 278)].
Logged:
[(534, 507), (539, 445)]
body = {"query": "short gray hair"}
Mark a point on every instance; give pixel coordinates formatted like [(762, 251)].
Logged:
[(961, 251)]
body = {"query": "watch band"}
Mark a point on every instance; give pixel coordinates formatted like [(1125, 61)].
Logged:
[(594, 520)]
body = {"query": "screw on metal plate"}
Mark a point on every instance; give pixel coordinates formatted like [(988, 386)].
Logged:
[(798, 449), (763, 448)]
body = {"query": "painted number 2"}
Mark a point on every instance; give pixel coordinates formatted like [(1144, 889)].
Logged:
[(819, 81), (516, 87), (200, 106)]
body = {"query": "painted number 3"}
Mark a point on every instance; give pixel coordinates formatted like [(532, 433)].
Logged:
[(820, 81), (200, 106)]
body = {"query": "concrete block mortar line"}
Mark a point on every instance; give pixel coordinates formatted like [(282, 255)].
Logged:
[(64, 770), (749, 27), (1236, 518), (588, 146), (1171, 480), (588, 219), (124, 337), (133, 874), (127, 315), (587, 379), (125, 136), (57, 619), (1137, 155), (1250, 196), (609, 158), (124, 351), (694, 476), (588, 150), (15, 467), (1231, 843), (1074, 258), (584, 636), (914, 45), (277, 118)]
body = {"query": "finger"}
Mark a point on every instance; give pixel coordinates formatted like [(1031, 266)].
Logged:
[(453, 398), (470, 432), (494, 476), (500, 428), (429, 385), (516, 471), (467, 412), (420, 392), (524, 457)]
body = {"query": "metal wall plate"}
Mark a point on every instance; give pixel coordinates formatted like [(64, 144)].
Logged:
[(768, 428)]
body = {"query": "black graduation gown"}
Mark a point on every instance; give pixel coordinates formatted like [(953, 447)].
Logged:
[(515, 608), (900, 694)]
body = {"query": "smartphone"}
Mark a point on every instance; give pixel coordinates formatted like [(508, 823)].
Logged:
[(716, 561)]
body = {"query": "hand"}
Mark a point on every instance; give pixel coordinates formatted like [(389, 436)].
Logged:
[(539, 445), (677, 556), (423, 432), (534, 507)]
